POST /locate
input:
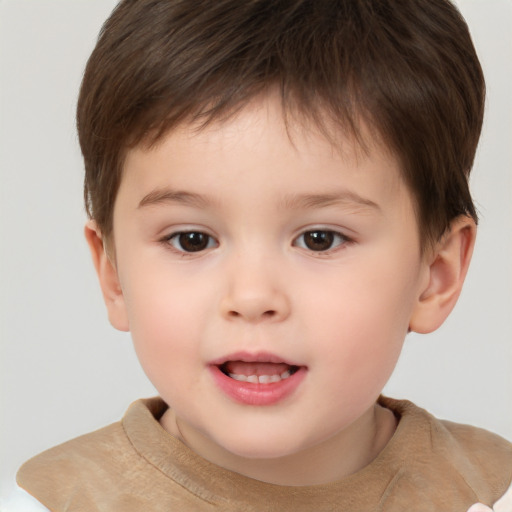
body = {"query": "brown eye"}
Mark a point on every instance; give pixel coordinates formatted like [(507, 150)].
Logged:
[(319, 240), (191, 241)]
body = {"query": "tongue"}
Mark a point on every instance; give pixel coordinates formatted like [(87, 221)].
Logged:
[(242, 368)]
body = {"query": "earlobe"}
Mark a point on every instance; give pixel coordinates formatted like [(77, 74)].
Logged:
[(108, 278), (447, 269)]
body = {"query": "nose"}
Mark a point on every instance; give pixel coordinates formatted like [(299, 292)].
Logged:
[(254, 293)]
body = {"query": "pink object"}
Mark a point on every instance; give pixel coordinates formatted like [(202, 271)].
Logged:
[(255, 393)]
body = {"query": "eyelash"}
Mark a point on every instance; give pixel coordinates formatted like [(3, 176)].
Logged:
[(176, 241)]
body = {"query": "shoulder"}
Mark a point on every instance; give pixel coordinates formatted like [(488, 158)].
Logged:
[(463, 463), (59, 471), (486, 459), (101, 452), (88, 453), (483, 459), (91, 465), (129, 466), (478, 447)]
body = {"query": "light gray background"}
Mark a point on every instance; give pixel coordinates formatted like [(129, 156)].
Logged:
[(64, 371)]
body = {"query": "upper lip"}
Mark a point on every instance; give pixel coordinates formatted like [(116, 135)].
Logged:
[(257, 357)]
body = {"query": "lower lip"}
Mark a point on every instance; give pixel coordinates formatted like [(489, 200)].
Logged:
[(249, 393)]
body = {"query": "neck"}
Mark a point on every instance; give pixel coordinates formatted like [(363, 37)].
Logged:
[(344, 454)]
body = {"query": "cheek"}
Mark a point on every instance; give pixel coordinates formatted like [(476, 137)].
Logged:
[(165, 323), (363, 324)]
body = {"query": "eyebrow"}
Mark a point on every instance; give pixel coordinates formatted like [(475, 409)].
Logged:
[(341, 198), (166, 195), (302, 201)]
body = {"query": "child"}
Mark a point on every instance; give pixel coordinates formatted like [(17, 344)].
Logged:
[(278, 194)]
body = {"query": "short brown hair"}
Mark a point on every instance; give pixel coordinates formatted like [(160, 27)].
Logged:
[(408, 68)]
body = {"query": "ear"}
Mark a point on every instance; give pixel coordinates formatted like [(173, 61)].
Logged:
[(447, 267), (107, 275)]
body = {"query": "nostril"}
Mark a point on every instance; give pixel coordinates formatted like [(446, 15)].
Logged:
[(270, 313), (254, 307)]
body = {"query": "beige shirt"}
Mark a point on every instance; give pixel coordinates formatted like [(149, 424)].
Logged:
[(135, 465)]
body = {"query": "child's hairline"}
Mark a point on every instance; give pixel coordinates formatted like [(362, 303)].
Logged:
[(357, 130), (430, 118)]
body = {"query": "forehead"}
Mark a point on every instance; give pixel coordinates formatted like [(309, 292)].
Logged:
[(289, 149), (310, 123)]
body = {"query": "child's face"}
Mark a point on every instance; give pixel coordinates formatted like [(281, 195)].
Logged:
[(235, 244)]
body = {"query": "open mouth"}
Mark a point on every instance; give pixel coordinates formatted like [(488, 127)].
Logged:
[(258, 372), (257, 379)]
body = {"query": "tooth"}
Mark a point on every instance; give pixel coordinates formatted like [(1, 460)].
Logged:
[(241, 378), (261, 379)]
